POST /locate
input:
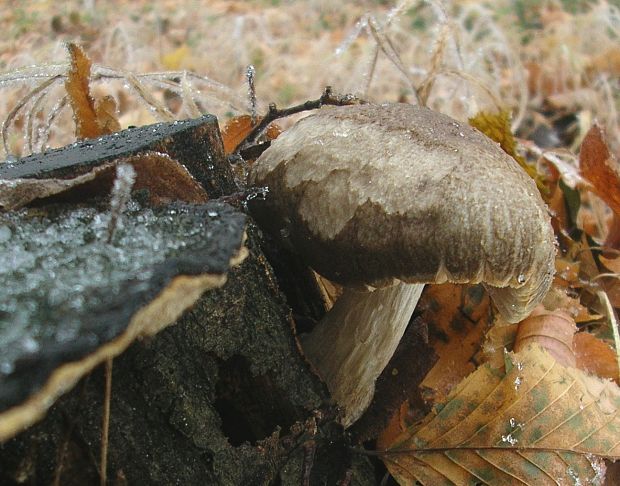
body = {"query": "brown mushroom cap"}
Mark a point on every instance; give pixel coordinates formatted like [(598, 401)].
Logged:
[(369, 194)]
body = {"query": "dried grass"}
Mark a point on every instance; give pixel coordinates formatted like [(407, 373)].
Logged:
[(457, 57)]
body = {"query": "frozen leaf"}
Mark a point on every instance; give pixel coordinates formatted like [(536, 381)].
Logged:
[(497, 340), (92, 118), (106, 112), (165, 179), (552, 330), (595, 356), (239, 127), (530, 422), (600, 167), (77, 86), (16, 193), (457, 317), (496, 126)]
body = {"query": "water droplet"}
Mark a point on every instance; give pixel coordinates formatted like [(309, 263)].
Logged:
[(509, 439), (518, 381), (521, 279)]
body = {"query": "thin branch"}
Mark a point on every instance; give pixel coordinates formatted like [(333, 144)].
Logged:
[(105, 422), (327, 98)]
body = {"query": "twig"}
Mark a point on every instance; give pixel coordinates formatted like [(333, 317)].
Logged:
[(250, 76), (327, 98), (105, 422), (121, 193), (309, 448)]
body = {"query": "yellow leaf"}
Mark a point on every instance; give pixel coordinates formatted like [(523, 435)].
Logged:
[(531, 422), (173, 61), (496, 126)]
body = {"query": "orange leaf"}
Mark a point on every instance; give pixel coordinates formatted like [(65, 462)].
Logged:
[(566, 273), (595, 356), (105, 110), (395, 427), (599, 167), (77, 88), (457, 317), (239, 127), (553, 330)]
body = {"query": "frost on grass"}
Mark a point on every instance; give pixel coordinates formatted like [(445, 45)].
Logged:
[(55, 270)]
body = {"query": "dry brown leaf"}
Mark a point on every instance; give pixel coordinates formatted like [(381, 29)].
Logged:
[(595, 356), (239, 127), (533, 421), (106, 112), (557, 206), (611, 264), (78, 90), (552, 330), (92, 119), (329, 290), (557, 298), (165, 179), (397, 424), (607, 61), (566, 273), (457, 317), (600, 167)]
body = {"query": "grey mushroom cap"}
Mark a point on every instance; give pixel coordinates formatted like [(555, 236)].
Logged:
[(372, 194)]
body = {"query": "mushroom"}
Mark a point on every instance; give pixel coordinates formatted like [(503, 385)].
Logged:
[(383, 199)]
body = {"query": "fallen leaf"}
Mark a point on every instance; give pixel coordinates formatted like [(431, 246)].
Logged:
[(239, 127), (566, 273), (607, 62), (600, 167), (595, 356), (165, 179), (532, 422), (106, 112), (557, 298), (82, 103), (173, 61), (611, 264), (552, 330), (457, 317), (497, 340)]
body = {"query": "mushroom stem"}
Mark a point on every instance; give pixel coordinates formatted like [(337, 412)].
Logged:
[(356, 339)]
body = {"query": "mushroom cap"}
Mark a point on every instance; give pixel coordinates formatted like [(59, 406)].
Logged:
[(369, 194)]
